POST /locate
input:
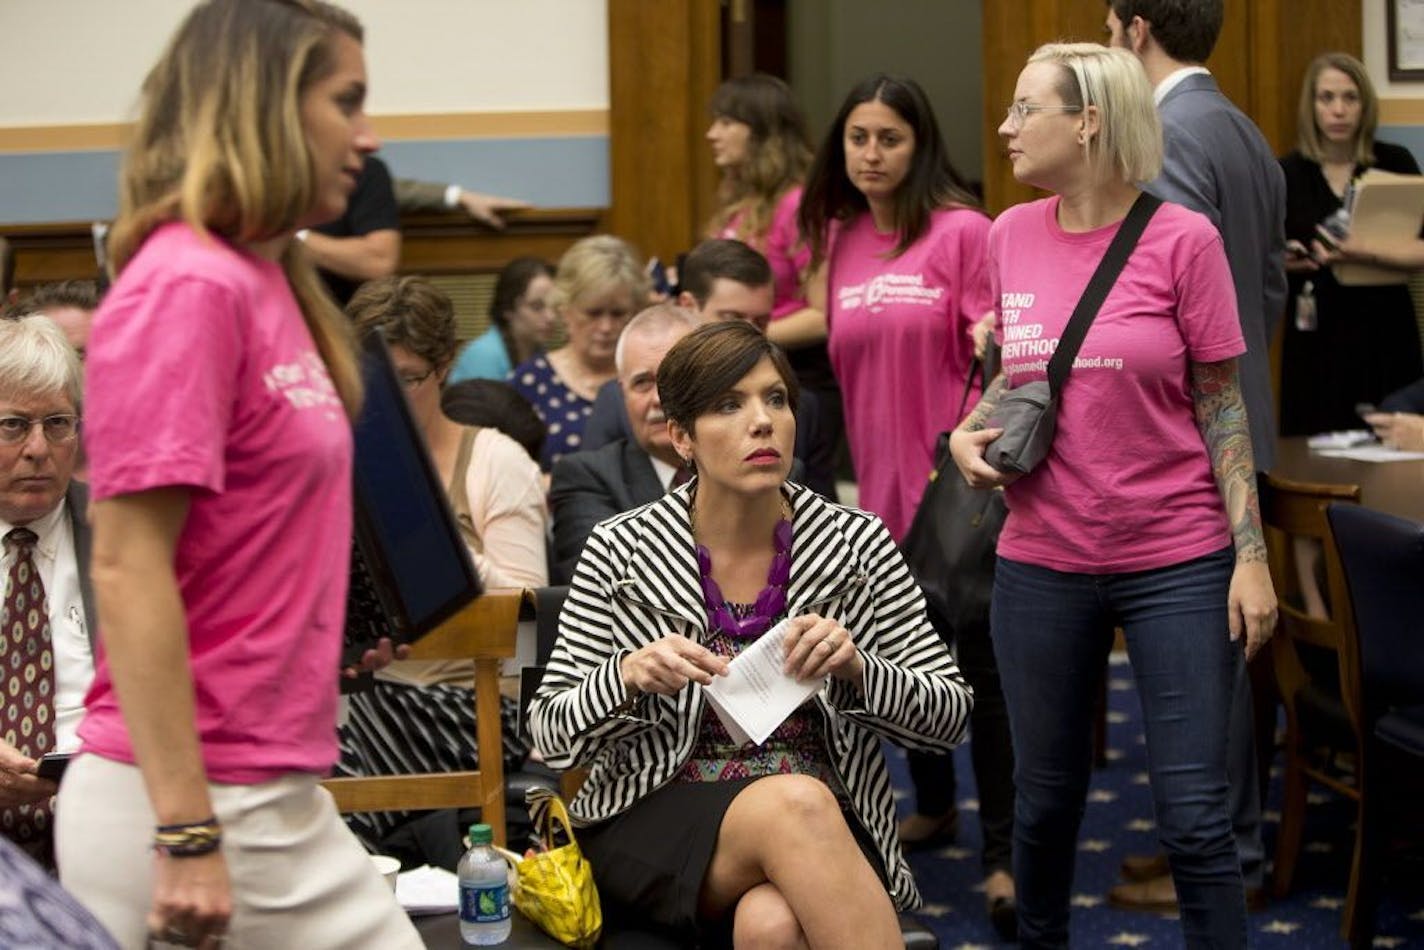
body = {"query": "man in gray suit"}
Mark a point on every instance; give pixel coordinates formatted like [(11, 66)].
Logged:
[(43, 557), (1217, 162), (587, 487)]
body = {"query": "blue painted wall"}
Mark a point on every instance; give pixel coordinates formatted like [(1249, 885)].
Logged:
[(568, 172), (1410, 136)]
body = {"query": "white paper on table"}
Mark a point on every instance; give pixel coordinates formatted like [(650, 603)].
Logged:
[(1371, 453), (756, 695), (428, 890), (1345, 439)]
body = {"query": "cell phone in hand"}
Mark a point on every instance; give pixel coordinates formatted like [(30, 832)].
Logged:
[(1296, 249), (52, 766), (1363, 409)]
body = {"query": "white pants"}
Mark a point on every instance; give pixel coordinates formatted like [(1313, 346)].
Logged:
[(299, 877)]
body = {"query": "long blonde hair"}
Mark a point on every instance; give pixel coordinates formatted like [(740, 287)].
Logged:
[(219, 144), (778, 153)]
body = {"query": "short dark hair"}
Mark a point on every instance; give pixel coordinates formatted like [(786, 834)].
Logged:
[(412, 312), (709, 361), (497, 405), (1185, 29), (80, 294), (932, 181), (723, 258)]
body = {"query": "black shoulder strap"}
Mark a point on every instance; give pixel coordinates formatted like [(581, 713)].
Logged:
[(1103, 279)]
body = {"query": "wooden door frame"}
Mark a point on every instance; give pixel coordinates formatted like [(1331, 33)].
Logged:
[(664, 63)]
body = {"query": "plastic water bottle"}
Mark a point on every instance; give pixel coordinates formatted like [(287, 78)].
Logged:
[(484, 891)]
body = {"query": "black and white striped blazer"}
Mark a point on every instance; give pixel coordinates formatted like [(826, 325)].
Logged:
[(637, 581)]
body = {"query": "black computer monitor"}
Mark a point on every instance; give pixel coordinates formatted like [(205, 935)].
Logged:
[(410, 569)]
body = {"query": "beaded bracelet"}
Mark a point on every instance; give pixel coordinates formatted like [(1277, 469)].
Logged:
[(188, 840)]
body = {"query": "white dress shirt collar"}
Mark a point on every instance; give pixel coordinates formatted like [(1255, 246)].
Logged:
[(1172, 79)]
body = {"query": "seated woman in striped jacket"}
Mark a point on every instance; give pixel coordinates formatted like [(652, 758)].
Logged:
[(792, 841)]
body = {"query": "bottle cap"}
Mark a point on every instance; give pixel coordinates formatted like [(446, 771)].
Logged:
[(481, 834)]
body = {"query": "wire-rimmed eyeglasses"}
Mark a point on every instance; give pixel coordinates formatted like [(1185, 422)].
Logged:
[(58, 428), (1019, 111)]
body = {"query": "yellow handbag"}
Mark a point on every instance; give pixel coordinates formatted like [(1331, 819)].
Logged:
[(554, 887)]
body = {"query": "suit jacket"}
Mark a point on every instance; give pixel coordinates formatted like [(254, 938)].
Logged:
[(815, 451), (415, 195), (1218, 163), (594, 485), (78, 498), (639, 582), (1407, 399)]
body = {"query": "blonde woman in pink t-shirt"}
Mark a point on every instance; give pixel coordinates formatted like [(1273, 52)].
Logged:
[(1144, 513), (899, 241), (221, 379)]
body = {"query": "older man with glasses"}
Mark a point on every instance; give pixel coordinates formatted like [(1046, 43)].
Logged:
[(46, 628)]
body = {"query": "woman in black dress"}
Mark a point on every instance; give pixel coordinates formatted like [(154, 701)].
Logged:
[(1343, 345)]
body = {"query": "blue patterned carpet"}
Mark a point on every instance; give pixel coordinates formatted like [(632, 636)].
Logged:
[(1119, 822)]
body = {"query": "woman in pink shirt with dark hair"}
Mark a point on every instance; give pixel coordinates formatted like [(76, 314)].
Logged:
[(761, 146), (1143, 515), (899, 242), (221, 380)]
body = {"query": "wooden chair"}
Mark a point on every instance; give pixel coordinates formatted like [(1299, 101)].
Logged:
[(1314, 654), (484, 632)]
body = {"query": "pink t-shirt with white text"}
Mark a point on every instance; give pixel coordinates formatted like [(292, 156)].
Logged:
[(788, 255), (1128, 484), (901, 349), (201, 373)]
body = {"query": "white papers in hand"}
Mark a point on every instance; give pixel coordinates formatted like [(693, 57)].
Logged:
[(428, 890), (756, 695)]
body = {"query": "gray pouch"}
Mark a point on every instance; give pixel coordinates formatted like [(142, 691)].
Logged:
[(1028, 414)]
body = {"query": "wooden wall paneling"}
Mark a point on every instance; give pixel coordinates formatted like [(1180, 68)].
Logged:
[(664, 64), (1013, 30), (435, 244), (1232, 62)]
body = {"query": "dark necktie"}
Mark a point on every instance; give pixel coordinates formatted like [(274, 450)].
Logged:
[(681, 477), (26, 687)]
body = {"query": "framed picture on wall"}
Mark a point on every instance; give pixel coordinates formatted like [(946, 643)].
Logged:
[(1406, 39)]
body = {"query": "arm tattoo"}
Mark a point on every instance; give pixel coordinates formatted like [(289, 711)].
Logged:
[(975, 420), (1221, 418)]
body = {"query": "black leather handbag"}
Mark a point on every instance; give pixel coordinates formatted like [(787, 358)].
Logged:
[(951, 541)]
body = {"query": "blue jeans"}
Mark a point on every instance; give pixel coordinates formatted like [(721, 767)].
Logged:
[(1052, 633)]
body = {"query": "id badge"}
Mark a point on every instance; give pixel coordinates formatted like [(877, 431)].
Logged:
[(1305, 318)]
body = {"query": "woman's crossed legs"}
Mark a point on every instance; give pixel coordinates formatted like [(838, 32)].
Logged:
[(789, 869)]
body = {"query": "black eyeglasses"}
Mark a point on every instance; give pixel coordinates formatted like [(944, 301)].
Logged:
[(58, 428)]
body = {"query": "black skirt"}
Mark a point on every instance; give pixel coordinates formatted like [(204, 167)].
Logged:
[(650, 861)]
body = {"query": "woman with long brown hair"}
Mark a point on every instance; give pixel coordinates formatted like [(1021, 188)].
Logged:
[(762, 149), (221, 380), (1343, 345)]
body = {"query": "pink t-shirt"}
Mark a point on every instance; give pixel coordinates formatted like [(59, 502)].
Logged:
[(900, 347), (201, 373), (1128, 484), (788, 255)]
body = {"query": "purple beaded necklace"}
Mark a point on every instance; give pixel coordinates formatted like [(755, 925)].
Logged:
[(770, 603)]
